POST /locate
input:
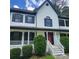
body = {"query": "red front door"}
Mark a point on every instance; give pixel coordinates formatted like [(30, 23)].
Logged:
[(50, 37)]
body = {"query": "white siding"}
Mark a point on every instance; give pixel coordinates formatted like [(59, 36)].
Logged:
[(47, 11)]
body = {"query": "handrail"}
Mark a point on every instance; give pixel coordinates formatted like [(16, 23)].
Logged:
[(60, 46), (52, 48)]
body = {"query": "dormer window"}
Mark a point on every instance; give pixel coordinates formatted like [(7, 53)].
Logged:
[(29, 19), (17, 17), (48, 21)]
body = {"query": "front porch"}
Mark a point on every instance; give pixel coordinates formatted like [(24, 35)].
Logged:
[(19, 38), (23, 37)]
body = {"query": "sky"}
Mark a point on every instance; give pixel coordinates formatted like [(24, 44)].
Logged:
[(28, 4), (24, 4), (17, 3)]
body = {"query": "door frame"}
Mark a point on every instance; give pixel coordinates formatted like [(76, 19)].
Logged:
[(47, 37)]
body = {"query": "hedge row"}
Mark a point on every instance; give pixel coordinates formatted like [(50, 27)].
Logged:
[(15, 53), (39, 48)]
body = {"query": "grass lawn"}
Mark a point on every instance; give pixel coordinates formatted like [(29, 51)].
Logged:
[(43, 57)]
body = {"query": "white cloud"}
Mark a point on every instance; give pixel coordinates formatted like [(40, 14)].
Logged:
[(16, 6), (30, 8)]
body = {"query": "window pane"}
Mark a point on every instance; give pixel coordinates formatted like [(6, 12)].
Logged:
[(48, 22), (29, 19), (31, 36), (17, 18), (67, 23), (15, 38), (25, 37), (61, 23)]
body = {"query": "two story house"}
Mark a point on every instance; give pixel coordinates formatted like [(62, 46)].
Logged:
[(26, 24)]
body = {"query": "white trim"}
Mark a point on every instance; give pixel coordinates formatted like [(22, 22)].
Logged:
[(64, 22), (47, 41), (11, 14), (23, 18), (28, 37), (22, 38)]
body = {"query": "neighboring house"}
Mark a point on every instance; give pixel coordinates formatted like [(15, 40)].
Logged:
[(25, 25)]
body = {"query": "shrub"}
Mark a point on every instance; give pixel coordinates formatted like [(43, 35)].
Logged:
[(65, 43), (40, 45), (27, 51), (15, 53)]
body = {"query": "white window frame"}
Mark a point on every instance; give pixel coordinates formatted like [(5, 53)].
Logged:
[(29, 15), (22, 39), (17, 13), (64, 23)]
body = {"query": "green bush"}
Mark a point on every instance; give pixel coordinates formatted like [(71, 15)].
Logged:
[(65, 42), (27, 51), (15, 53), (40, 45)]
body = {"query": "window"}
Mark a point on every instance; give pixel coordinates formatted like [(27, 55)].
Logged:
[(17, 17), (25, 37), (29, 19), (15, 38), (61, 23), (67, 22), (31, 36), (48, 21), (64, 22)]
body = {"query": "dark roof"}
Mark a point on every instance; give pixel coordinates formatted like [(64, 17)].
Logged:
[(63, 17), (22, 11)]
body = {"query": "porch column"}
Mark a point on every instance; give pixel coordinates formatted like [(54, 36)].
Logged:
[(22, 43), (28, 37), (47, 42), (56, 38), (22, 38)]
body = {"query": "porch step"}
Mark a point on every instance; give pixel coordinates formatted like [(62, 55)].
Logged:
[(55, 50)]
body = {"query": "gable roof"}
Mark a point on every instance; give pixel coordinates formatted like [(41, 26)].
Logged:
[(52, 5)]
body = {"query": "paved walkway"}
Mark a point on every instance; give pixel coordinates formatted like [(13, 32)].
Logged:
[(62, 57)]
